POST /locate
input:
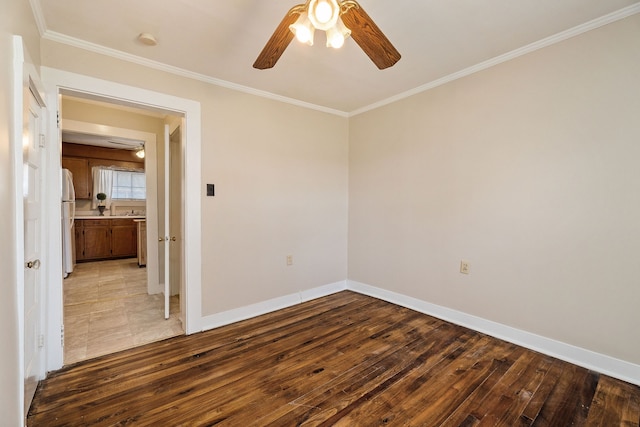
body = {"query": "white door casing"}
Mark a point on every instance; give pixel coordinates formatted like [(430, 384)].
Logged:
[(57, 80)]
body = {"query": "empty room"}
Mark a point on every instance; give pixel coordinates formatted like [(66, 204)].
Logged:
[(366, 213)]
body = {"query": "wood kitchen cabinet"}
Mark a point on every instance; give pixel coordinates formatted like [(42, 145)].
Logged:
[(78, 226), (142, 242), (124, 239), (105, 239), (95, 239), (81, 179)]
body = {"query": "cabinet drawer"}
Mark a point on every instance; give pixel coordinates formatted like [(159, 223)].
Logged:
[(122, 221), (96, 222)]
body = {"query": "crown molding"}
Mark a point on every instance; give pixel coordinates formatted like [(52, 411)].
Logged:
[(38, 16), (117, 54), (548, 41)]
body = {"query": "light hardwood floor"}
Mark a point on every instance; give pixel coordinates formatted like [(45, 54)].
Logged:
[(343, 360), (107, 309)]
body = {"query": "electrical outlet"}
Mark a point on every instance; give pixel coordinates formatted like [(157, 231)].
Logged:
[(289, 259), (464, 267)]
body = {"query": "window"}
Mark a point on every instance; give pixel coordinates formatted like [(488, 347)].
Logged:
[(128, 186)]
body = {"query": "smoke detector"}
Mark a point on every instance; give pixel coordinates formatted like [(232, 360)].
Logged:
[(148, 39)]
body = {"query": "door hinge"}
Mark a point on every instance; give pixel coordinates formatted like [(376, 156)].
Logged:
[(42, 140), (58, 119), (41, 341), (62, 335)]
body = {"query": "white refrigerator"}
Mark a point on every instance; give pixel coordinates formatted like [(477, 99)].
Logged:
[(68, 216)]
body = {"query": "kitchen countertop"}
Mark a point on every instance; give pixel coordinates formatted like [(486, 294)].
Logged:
[(110, 217)]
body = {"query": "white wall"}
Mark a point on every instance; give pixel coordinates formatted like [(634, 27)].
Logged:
[(528, 170), (281, 188), (280, 175)]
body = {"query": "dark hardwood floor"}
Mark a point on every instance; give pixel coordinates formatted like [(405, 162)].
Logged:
[(346, 360)]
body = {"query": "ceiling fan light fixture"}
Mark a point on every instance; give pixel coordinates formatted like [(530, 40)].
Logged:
[(303, 29), (323, 14), (346, 19)]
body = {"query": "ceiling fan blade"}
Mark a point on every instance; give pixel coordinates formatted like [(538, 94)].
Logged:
[(278, 42), (369, 37)]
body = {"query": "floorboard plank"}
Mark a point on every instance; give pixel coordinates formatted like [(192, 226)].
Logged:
[(341, 360)]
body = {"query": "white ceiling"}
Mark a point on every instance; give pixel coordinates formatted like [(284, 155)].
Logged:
[(101, 140), (218, 41)]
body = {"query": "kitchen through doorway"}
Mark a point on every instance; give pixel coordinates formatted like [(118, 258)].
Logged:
[(111, 301)]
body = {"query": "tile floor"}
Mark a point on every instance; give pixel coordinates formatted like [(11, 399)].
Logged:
[(107, 309)]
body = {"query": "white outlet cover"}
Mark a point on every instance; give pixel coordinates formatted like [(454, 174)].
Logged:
[(464, 267)]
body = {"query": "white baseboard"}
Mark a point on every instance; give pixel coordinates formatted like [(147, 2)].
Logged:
[(263, 307), (607, 365)]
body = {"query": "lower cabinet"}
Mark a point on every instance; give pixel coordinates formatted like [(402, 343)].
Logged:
[(124, 238), (97, 239), (105, 238), (142, 242)]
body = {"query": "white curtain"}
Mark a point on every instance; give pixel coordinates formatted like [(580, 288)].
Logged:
[(102, 183)]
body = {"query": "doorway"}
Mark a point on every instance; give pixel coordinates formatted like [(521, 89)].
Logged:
[(58, 82), (110, 303)]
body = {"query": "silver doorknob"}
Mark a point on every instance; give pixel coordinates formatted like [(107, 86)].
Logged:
[(33, 264), (160, 239)]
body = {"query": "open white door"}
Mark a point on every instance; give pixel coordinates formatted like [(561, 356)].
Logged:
[(167, 241), (33, 142)]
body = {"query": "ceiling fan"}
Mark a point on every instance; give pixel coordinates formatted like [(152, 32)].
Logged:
[(339, 19)]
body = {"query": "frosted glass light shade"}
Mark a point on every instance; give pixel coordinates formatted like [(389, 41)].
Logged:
[(323, 14), (337, 34), (303, 29)]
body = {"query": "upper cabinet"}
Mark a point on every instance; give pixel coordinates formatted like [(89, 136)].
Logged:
[(79, 159), (80, 170)]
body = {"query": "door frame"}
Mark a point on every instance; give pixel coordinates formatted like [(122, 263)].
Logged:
[(56, 81)]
